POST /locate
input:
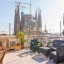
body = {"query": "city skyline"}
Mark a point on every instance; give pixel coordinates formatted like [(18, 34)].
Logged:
[(52, 13)]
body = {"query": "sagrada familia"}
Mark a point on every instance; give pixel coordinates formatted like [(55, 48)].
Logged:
[(27, 20)]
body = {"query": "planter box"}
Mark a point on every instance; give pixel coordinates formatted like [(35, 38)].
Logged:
[(1, 48), (17, 47), (22, 46), (7, 48), (42, 44)]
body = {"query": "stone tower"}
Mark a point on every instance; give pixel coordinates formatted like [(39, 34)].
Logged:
[(17, 19), (63, 19), (36, 19), (39, 23), (36, 15)]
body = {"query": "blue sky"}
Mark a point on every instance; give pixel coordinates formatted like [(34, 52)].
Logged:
[(52, 13)]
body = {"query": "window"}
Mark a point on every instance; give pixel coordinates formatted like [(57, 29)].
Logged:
[(12, 43)]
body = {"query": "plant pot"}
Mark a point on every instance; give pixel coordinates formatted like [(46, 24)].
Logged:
[(1, 48), (42, 44), (45, 45), (22, 46), (17, 47), (7, 48)]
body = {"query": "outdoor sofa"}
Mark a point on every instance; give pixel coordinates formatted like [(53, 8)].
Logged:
[(56, 43), (58, 55)]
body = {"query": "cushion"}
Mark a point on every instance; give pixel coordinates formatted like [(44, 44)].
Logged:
[(53, 47), (55, 43), (54, 52), (61, 50), (61, 42), (58, 42)]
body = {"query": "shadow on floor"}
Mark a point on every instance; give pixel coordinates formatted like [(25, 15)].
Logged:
[(24, 54), (39, 58), (28, 52), (50, 62), (11, 51)]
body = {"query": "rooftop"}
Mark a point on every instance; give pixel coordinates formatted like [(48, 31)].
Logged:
[(26, 57)]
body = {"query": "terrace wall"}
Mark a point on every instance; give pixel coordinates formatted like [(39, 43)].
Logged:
[(41, 38)]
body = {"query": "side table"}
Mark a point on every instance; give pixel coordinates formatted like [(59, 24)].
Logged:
[(44, 50)]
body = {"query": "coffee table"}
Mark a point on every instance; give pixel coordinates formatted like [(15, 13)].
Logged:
[(44, 50)]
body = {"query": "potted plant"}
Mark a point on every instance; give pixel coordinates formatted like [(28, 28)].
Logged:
[(17, 47), (1, 47), (42, 43), (22, 40)]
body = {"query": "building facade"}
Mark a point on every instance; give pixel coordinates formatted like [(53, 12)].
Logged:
[(27, 20)]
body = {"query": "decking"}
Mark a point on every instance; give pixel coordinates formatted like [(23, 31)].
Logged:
[(26, 57)]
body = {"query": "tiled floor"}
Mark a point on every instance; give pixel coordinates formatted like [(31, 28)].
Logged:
[(25, 57)]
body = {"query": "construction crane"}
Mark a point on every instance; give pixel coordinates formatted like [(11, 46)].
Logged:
[(22, 8), (21, 4), (29, 5), (18, 3)]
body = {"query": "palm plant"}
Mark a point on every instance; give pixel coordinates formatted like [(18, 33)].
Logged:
[(21, 35)]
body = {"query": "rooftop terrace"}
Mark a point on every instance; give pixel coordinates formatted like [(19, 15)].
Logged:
[(26, 57)]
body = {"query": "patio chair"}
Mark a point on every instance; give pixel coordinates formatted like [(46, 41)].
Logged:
[(58, 55), (34, 45), (2, 54)]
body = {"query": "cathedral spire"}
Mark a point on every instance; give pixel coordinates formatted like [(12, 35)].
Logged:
[(40, 21), (36, 15), (36, 19), (17, 19), (63, 19)]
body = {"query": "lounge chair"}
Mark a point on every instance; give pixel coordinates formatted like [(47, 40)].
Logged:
[(58, 55)]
